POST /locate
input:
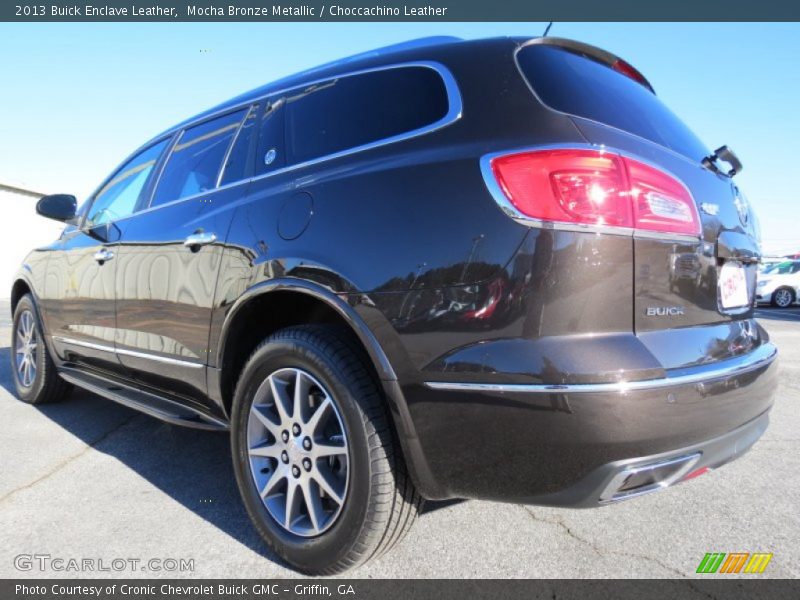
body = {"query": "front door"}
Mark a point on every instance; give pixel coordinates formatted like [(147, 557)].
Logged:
[(79, 289)]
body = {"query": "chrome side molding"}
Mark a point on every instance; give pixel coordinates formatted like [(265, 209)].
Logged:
[(126, 352), (762, 356)]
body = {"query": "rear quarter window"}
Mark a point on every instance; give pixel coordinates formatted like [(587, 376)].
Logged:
[(353, 111), (578, 85)]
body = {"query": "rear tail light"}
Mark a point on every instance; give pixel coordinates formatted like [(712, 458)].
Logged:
[(591, 187)]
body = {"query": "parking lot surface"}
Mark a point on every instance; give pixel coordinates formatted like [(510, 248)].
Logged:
[(91, 479)]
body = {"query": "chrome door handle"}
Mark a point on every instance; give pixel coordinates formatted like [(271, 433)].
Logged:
[(103, 255), (196, 240)]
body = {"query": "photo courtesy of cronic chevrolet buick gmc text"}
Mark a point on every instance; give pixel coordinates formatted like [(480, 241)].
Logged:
[(496, 269)]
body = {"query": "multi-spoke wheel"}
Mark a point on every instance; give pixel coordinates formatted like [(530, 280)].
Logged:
[(298, 451), (35, 376), (783, 297), (314, 454), (25, 343)]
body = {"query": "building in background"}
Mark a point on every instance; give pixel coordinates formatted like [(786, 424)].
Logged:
[(21, 230)]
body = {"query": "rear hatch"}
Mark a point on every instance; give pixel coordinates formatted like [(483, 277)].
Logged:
[(693, 294)]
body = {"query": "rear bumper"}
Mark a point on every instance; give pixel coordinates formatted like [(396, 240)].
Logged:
[(565, 444), (612, 482)]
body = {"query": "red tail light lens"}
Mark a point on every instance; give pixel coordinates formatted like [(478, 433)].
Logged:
[(620, 66), (661, 202), (590, 187)]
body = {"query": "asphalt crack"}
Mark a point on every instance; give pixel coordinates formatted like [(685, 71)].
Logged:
[(92, 445), (605, 552), (596, 549)]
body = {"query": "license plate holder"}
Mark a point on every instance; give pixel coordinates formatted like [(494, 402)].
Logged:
[(732, 286)]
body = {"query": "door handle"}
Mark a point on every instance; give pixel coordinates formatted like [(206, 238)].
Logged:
[(103, 255), (198, 239)]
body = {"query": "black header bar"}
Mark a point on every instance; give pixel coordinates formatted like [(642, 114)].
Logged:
[(743, 588), (403, 10)]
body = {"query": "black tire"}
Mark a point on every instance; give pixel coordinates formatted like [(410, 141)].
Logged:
[(381, 501), (783, 304), (46, 386)]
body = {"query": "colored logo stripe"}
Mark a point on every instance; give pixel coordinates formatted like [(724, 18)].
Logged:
[(758, 562), (734, 562), (711, 562), (714, 562)]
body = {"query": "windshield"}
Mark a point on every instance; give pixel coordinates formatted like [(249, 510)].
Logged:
[(784, 268)]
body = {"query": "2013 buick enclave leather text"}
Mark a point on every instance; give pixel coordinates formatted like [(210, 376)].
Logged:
[(496, 269)]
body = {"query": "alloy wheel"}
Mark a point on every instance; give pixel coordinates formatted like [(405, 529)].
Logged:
[(783, 298), (298, 452), (25, 347)]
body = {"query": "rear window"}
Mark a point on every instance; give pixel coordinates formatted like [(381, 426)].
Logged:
[(577, 85), (353, 111)]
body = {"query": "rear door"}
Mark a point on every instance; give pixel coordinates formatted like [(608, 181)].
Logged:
[(693, 295), (78, 293), (170, 255)]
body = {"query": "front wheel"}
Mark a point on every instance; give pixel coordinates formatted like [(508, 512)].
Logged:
[(315, 458), (783, 297), (35, 376)]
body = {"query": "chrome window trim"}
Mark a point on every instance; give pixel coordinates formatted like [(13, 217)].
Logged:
[(764, 355), (135, 354), (512, 211), (454, 113)]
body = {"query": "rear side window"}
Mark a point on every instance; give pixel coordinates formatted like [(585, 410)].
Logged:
[(343, 114), (577, 85), (194, 164)]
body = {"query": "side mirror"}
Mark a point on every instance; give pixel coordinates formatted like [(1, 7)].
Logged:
[(60, 207)]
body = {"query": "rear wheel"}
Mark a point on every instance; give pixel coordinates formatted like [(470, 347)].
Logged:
[(315, 457), (35, 376), (783, 297)]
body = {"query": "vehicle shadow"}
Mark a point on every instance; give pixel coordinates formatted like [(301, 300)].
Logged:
[(191, 466)]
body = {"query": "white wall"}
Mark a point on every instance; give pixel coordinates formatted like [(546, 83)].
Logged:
[(21, 230)]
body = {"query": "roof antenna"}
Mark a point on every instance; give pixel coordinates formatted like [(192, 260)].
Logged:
[(547, 29)]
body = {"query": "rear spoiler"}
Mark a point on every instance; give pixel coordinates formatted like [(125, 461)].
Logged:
[(597, 55)]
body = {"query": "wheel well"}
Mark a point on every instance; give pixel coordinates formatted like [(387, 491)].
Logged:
[(266, 314), (19, 289)]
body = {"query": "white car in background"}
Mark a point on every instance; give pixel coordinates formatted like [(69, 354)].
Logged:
[(769, 262), (778, 284)]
